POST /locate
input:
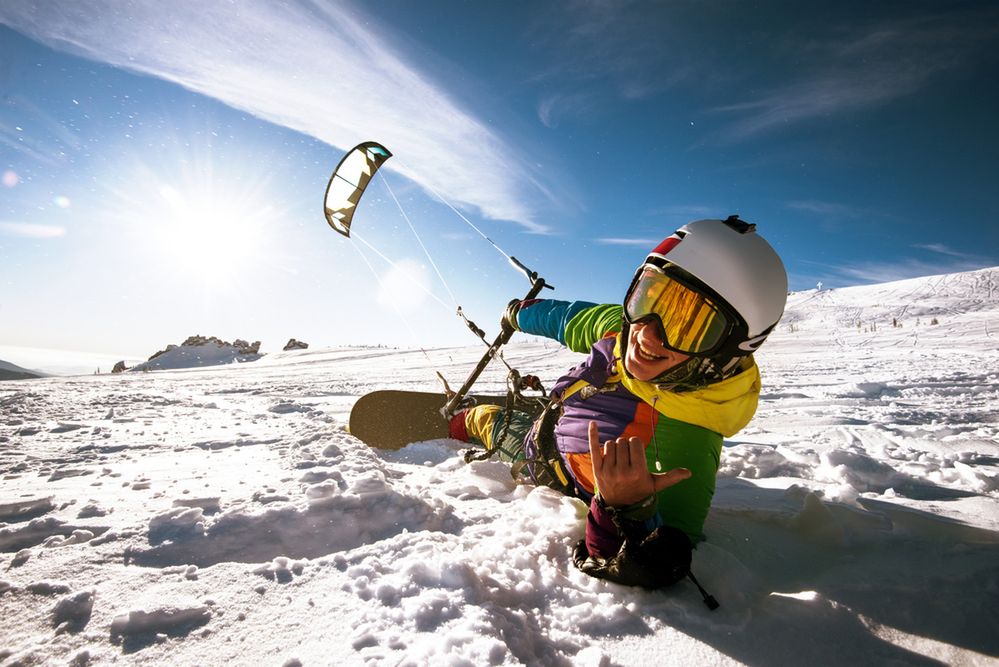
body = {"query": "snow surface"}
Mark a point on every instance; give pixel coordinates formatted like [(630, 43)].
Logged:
[(225, 516)]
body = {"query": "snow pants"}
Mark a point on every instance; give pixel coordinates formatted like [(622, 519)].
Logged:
[(504, 434), (494, 428)]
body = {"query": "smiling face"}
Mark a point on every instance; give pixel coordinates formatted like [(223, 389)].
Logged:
[(646, 357)]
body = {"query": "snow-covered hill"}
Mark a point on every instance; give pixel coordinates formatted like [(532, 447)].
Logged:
[(196, 356), (949, 311), (224, 515)]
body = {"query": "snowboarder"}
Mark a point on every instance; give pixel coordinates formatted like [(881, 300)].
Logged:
[(636, 429)]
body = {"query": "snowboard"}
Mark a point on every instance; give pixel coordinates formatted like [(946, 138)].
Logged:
[(391, 419)]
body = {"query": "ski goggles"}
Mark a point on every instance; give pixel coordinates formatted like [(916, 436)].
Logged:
[(689, 321)]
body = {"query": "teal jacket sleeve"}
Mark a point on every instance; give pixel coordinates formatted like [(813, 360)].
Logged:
[(575, 324)]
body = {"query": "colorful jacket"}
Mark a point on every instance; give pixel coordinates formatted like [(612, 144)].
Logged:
[(679, 429)]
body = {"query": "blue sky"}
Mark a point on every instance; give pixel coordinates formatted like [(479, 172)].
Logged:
[(163, 164)]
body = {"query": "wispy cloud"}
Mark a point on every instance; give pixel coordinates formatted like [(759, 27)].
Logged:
[(866, 68), (666, 219), (31, 231), (921, 259), (647, 242), (28, 129), (318, 68), (687, 212), (618, 44), (14, 139), (876, 272), (945, 260), (943, 250), (554, 107), (828, 209), (835, 216)]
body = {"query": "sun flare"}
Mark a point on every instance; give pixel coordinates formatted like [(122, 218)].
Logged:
[(404, 287), (199, 223), (205, 234)]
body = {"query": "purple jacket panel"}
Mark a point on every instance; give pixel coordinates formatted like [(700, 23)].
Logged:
[(613, 410)]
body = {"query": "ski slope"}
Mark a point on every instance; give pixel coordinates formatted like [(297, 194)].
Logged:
[(224, 515)]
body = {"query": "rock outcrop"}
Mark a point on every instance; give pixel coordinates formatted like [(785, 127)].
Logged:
[(295, 345), (246, 348), (200, 350), (197, 340)]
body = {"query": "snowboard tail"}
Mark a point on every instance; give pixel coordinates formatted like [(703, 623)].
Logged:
[(392, 419)]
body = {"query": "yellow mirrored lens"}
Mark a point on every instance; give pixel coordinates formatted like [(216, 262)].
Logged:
[(690, 321)]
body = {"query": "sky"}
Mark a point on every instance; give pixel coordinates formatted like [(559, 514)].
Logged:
[(163, 165)]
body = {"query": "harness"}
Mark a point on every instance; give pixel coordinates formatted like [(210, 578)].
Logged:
[(548, 467)]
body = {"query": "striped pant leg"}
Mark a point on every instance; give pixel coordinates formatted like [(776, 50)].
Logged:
[(499, 429)]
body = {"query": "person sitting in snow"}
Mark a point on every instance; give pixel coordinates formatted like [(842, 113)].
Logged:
[(636, 429)]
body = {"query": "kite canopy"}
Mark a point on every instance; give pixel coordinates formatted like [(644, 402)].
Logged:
[(348, 181)]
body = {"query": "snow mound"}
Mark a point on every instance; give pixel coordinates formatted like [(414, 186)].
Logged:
[(211, 353)]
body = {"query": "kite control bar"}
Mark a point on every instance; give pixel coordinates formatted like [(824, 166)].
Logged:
[(537, 284)]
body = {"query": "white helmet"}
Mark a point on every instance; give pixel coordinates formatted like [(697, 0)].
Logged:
[(736, 271)]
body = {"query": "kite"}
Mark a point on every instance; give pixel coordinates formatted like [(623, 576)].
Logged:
[(348, 182)]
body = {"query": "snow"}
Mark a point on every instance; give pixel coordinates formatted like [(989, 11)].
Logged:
[(194, 356), (223, 515)]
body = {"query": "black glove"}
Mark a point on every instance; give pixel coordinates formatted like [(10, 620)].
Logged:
[(662, 558)]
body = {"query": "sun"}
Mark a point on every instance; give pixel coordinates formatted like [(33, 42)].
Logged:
[(204, 225), (214, 235), (198, 217)]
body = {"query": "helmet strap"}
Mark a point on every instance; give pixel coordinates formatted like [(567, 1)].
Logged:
[(682, 377)]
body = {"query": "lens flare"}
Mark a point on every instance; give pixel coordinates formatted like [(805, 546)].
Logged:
[(404, 287)]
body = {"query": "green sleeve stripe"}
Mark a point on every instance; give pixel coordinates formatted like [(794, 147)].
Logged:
[(590, 325)]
